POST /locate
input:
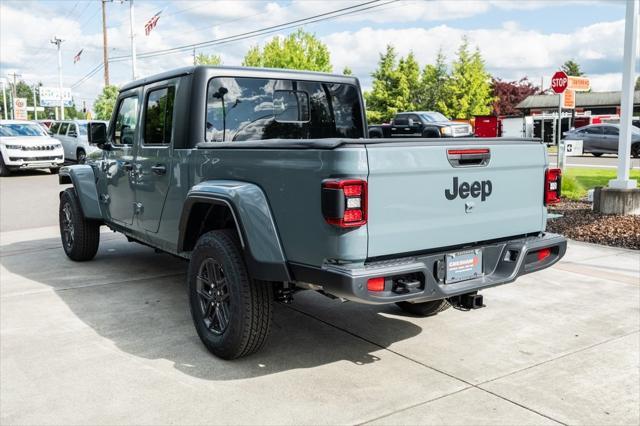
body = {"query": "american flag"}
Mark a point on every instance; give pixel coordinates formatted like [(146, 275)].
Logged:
[(151, 23), (77, 57)]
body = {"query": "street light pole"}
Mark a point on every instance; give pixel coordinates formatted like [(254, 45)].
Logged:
[(35, 106), (133, 40), (58, 42), (626, 107)]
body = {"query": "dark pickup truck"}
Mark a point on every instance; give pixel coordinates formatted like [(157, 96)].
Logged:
[(265, 181), (421, 124)]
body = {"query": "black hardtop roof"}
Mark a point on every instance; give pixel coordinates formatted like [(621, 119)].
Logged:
[(243, 72)]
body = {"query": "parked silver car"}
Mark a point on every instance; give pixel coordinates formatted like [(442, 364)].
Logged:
[(73, 135), (599, 139)]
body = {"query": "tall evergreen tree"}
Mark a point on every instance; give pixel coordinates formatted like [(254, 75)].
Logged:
[(572, 68), (432, 83), (468, 89)]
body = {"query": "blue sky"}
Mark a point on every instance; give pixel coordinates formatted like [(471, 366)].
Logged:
[(516, 38)]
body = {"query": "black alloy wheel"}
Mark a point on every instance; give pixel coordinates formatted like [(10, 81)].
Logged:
[(213, 292)]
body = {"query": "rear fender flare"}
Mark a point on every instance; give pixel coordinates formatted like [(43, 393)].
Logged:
[(84, 182), (254, 223)]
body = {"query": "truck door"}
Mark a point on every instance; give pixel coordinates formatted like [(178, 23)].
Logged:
[(153, 157), (400, 127), (610, 140), (118, 167)]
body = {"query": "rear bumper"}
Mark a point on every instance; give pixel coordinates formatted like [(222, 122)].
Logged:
[(502, 263)]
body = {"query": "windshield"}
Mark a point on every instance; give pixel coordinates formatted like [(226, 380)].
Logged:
[(21, 129), (433, 116)]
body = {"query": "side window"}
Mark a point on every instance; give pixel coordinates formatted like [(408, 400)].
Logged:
[(594, 130), (126, 121), (401, 120), (54, 128), (73, 132), (415, 118), (158, 117), (611, 131), (63, 129)]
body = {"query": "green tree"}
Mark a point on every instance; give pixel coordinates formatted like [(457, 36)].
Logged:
[(388, 95), (637, 84), (409, 71), (347, 71), (572, 68), (432, 83), (468, 89), (202, 59), (105, 102), (299, 50)]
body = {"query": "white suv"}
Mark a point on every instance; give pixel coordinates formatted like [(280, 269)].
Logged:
[(26, 145), (73, 136)]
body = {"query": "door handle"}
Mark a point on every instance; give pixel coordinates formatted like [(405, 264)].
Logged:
[(127, 166), (159, 169)]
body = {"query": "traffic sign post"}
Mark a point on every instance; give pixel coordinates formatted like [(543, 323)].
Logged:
[(559, 83)]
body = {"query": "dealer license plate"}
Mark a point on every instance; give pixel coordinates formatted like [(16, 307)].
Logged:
[(463, 266)]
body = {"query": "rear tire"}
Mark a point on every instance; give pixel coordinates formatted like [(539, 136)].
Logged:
[(54, 170), (424, 309), (80, 236), (596, 154), (231, 311), (635, 150)]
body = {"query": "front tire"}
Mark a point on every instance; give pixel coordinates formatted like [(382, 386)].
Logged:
[(80, 236), (231, 311), (81, 156), (424, 309), (54, 170), (4, 170), (596, 154)]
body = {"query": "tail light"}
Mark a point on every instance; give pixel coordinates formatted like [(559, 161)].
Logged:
[(344, 202), (552, 186)]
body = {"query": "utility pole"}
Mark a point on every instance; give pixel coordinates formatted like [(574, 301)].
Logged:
[(4, 98), (105, 49), (133, 40), (35, 105), (14, 93), (55, 40)]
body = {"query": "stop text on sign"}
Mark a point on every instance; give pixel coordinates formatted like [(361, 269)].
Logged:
[(559, 82)]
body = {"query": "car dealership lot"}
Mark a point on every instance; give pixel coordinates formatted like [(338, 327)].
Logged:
[(111, 341)]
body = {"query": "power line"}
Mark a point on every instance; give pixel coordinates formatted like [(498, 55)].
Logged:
[(250, 34)]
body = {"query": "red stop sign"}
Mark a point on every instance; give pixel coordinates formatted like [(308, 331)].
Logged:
[(559, 81)]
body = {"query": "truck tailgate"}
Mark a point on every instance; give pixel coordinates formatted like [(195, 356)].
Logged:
[(413, 204)]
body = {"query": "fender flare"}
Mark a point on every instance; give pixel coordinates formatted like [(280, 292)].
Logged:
[(254, 223), (84, 182)]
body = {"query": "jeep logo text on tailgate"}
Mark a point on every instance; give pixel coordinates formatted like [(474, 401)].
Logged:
[(476, 189)]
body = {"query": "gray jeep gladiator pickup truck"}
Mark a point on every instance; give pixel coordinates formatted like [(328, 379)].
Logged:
[(421, 124), (265, 181)]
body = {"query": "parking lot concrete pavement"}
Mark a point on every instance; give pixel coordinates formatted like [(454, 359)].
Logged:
[(111, 341)]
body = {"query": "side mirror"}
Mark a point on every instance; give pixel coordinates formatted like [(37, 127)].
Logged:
[(97, 135)]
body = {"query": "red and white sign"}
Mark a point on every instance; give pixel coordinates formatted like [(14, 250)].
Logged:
[(559, 81)]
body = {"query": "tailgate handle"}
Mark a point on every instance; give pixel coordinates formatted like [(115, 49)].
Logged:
[(475, 157)]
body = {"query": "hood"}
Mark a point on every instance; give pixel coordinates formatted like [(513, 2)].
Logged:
[(28, 140)]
